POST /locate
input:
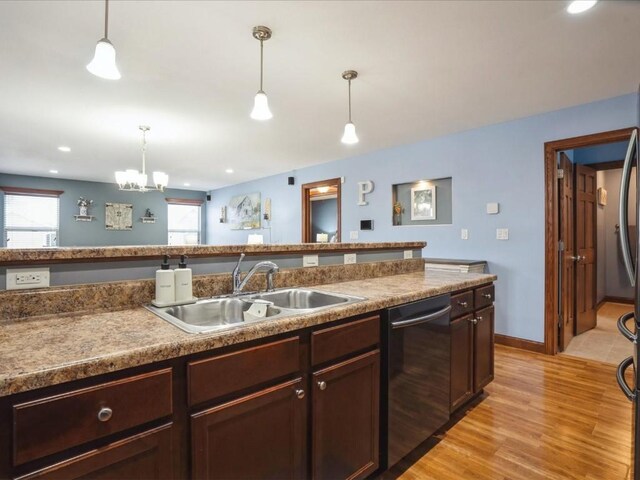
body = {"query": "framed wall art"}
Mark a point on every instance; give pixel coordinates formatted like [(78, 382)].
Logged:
[(244, 211), (423, 203), (118, 216)]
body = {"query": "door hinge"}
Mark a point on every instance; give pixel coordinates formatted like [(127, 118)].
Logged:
[(560, 173), (560, 246)]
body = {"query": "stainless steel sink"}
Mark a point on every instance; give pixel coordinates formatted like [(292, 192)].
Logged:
[(304, 299), (209, 315), (226, 312)]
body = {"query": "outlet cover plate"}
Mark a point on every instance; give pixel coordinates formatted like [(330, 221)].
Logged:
[(408, 254), (464, 234), (353, 235), (349, 258), (25, 278), (502, 234), (310, 261)]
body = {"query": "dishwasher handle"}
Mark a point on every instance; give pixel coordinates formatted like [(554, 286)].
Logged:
[(422, 319)]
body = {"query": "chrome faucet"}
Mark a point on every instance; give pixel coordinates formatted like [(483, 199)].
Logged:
[(239, 284)]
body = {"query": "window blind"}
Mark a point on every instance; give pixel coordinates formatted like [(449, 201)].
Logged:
[(31, 221), (183, 224)]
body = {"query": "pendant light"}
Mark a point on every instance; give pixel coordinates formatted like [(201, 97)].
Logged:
[(134, 181), (103, 64), (261, 104), (349, 136)]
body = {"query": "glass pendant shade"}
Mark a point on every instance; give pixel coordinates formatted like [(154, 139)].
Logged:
[(121, 178), (579, 6), (349, 136), (160, 180), (261, 107), (103, 64)]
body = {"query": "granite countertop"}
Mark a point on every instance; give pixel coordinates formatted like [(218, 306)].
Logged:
[(49, 350)]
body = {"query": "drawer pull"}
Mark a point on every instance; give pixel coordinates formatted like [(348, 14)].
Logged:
[(322, 385), (105, 413), (463, 304), (487, 296), (300, 394), (479, 318), (473, 320)]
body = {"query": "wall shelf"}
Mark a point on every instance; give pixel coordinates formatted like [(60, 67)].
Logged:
[(148, 219), (84, 218)]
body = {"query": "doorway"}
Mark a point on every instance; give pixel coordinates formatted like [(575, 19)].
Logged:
[(571, 270), (321, 211)]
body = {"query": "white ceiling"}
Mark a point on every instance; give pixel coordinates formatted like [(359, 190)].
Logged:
[(190, 71)]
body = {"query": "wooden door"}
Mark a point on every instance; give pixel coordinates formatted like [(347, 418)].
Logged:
[(260, 436), (345, 421), (461, 360), (585, 242), (567, 257), (145, 456), (483, 347)]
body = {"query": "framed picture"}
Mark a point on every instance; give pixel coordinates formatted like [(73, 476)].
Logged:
[(244, 211), (118, 216), (423, 203), (602, 196)]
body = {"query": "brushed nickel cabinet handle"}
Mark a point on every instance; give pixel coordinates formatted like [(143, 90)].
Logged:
[(487, 295), (479, 319), (300, 394), (322, 385), (105, 413), (473, 320), (463, 304)]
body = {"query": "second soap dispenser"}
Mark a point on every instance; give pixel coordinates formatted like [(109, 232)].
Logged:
[(184, 281), (165, 284)]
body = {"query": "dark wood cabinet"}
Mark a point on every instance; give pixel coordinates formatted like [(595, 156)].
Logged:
[(462, 361), (483, 348), (345, 418), (145, 456), (261, 435), (472, 344)]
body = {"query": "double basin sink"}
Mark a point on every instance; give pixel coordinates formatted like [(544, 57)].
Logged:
[(224, 312)]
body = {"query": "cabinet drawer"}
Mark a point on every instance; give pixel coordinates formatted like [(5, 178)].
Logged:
[(336, 342), (461, 304), (484, 296), (53, 424), (214, 377)]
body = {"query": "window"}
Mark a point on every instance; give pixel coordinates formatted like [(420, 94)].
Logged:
[(184, 222), (31, 218)]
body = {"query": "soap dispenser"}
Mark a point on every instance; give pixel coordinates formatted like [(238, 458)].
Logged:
[(184, 285), (165, 283)]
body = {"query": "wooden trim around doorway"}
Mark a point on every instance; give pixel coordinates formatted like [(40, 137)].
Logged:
[(520, 343), (551, 150), (306, 206)]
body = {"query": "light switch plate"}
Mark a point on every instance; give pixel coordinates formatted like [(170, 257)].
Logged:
[(464, 234), (349, 258), (353, 235), (310, 261), (493, 208), (502, 233), (24, 278), (408, 254)]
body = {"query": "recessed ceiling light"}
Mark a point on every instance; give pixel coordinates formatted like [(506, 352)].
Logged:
[(187, 184), (229, 170), (64, 148), (579, 6), (53, 171)]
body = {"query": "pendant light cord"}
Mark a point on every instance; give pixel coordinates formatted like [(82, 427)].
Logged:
[(106, 19), (144, 151), (261, 62), (350, 101)]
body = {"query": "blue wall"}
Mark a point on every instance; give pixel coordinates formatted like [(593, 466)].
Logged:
[(600, 153), (93, 233), (324, 217), (499, 163)]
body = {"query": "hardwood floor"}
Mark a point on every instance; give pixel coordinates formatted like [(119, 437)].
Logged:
[(542, 418)]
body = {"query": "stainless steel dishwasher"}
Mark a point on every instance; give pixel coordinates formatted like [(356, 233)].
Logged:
[(415, 375)]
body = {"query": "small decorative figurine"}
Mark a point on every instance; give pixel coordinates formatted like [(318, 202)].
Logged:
[(84, 205)]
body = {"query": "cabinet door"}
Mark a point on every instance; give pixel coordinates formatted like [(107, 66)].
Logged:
[(259, 436), (345, 420), (147, 455), (461, 360), (483, 348)]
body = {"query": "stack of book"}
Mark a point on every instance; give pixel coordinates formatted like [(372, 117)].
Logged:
[(453, 265)]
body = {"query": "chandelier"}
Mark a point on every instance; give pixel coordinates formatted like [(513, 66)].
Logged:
[(134, 181)]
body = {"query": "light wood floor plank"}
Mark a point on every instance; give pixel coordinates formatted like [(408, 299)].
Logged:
[(543, 418)]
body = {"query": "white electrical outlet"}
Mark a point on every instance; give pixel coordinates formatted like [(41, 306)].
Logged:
[(502, 234), (408, 254), (349, 258), (23, 278), (310, 261), (464, 234), (353, 235)]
